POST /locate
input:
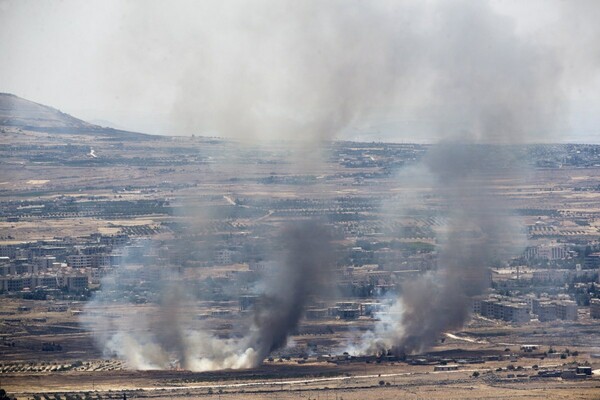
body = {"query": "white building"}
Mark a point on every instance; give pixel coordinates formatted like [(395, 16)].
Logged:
[(79, 261)]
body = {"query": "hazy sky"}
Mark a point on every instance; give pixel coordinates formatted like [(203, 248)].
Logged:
[(379, 70)]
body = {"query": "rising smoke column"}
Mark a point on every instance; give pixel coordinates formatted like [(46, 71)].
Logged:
[(165, 335), (499, 90), (305, 272), (496, 90), (479, 231)]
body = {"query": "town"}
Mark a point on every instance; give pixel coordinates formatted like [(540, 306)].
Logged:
[(88, 240)]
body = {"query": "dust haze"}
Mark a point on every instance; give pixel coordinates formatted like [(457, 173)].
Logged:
[(309, 72)]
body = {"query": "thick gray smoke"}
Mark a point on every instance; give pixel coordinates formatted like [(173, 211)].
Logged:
[(479, 231), (307, 272), (310, 70), (496, 88), (315, 70), (167, 334)]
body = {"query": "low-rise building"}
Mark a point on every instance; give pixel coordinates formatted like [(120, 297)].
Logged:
[(316, 313), (547, 251), (45, 262), (4, 270), (225, 256), (48, 281), (12, 283), (501, 308), (99, 260), (592, 261), (79, 261), (550, 275), (448, 367), (546, 312), (566, 310), (77, 282), (517, 313)]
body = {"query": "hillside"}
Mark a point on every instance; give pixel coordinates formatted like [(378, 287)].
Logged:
[(24, 114)]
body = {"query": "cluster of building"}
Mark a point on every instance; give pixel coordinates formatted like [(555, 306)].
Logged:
[(571, 372), (58, 264), (498, 307), (75, 264), (520, 310), (319, 310), (44, 272), (548, 251), (346, 310)]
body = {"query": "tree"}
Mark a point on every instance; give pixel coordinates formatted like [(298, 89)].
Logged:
[(4, 396)]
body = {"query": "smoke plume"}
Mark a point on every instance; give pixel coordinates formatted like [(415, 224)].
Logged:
[(307, 269), (479, 231), (314, 70), (167, 334), (495, 88), (309, 71)]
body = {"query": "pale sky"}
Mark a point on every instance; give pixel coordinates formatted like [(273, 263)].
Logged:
[(381, 70)]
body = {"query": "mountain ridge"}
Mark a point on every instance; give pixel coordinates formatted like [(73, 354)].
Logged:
[(21, 113)]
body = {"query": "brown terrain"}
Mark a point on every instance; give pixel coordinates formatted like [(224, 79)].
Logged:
[(45, 157)]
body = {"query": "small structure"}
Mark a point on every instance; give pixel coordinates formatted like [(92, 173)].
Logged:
[(572, 374), (528, 348), (584, 370), (448, 367), (316, 313)]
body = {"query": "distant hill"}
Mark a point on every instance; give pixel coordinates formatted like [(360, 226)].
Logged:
[(105, 123), (20, 113)]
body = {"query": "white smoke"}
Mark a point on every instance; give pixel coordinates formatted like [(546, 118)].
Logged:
[(166, 334)]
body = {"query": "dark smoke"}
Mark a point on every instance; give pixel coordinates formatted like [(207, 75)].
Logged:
[(489, 88), (479, 231), (166, 334), (304, 273), (308, 71)]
